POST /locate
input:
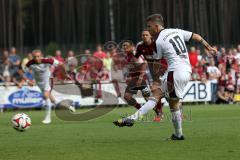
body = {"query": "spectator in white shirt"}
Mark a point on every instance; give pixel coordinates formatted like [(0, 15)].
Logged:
[(213, 75)]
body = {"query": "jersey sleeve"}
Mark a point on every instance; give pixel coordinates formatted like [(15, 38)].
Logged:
[(187, 35), (29, 63), (51, 61), (55, 62)]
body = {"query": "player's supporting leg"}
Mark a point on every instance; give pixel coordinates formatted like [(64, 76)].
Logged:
[(131, 101), (48, 106), (176, 119), (175, 86), (99, 91), (117, 88), (95, 91)]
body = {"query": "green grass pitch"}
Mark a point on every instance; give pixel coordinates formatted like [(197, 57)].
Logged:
[(211, 131)]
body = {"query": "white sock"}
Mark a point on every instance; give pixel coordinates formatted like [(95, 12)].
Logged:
[(177, 122), (48, 106), (149, 105)]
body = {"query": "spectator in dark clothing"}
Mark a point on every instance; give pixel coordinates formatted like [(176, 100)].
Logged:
[(15, 61), (18, 78)]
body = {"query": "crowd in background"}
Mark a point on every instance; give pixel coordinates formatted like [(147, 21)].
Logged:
[(223, 70)]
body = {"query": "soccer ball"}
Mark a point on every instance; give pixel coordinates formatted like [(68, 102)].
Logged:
[(21, 122)]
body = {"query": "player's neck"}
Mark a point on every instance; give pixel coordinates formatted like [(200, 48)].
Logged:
[(159, 31)]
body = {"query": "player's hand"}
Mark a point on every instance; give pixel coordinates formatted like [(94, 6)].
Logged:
[(212, 50)]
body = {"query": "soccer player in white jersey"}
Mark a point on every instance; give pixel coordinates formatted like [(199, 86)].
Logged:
[(170, 45), (42, 74)]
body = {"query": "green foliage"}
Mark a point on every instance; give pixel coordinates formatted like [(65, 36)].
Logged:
[(51, 48)]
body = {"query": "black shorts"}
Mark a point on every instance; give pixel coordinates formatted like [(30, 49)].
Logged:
[(133, 89)]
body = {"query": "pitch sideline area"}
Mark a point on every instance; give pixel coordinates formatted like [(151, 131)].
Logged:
[(211, 131)]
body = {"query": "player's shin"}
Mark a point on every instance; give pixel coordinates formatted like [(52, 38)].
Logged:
[(131, 101), (48, 106), (177, 121), (149, 105)]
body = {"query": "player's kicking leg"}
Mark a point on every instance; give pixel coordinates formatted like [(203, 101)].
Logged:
[(149, 105), (71, 107)]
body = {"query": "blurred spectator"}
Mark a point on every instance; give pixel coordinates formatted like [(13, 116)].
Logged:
[(72, 73), (238, 54), (107, 62), (225, 95), (59, 72), (85, 57), (26, 60), (29, 77), (193, 57), (4, 57), (71, 59), (199, 56), (58, 56), (230, 59), (5, 75), (237, 79), (200, 68), (80, 76), (104, 74), (195, 75), (15, 60), (99, 53), (204, 78), (18, 78), (213, 75)]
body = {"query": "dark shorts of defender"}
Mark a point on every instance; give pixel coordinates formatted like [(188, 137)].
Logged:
[(133, 89)]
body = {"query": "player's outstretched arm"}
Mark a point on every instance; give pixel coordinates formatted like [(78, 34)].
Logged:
[(198, 38)]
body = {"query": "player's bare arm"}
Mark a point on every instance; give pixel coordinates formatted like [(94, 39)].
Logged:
[(200, 39)]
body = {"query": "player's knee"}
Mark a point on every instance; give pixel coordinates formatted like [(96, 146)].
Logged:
[(158, 94), (127, 96), (174, 104)]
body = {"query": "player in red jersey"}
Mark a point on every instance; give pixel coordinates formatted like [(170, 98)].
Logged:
[(157, 68), (136, 76)]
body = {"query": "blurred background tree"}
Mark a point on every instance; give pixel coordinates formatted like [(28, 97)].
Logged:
[(82, 23)]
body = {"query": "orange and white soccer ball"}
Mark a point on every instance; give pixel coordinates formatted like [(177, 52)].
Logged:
[(21, 122)]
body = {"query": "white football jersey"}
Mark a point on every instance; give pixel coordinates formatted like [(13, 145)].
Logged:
[(42, 71), (171, 46)]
